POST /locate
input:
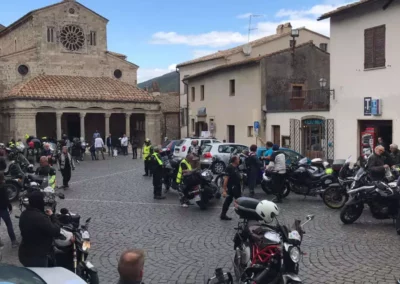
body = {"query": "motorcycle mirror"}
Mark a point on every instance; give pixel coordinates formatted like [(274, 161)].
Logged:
[(310, 217)]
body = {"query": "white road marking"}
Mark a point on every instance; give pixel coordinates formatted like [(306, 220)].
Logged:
[(99, 177)]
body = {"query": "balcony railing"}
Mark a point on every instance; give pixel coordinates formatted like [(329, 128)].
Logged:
[(296, 100)]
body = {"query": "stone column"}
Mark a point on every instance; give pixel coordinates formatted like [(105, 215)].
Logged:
[(153, 127), (128, 125), (82, 117), (59, 134), (107, 129)]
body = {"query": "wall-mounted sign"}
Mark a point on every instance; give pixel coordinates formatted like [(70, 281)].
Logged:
[(256, 127), (367, 106), (376, 107), (313, 122), (202, 111)]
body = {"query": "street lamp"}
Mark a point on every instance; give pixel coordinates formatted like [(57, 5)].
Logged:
[(294, 34), (322, 84)]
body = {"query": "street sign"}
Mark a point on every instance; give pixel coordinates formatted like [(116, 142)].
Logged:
[(376, 107), (256, 127), (367, 106)]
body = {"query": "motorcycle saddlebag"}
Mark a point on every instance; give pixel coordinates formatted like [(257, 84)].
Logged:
[(246, 208)]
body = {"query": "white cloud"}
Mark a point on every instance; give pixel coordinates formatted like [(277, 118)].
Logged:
[(298, 18), (145, 74), (202, 52), (244, 16)]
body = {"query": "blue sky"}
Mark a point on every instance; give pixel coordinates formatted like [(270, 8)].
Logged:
[(158, 34)]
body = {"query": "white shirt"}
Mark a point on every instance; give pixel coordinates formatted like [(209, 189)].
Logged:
[(124, 141), (98, 142)]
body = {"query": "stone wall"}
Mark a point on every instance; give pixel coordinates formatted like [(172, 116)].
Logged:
[(170, 126), (23, 37)]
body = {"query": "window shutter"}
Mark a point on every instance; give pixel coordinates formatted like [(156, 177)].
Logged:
[(369, 48), (379, 46)]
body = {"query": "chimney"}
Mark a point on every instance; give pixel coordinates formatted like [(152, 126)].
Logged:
[(284, 28)]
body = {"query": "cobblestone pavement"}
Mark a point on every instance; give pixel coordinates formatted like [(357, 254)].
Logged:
[(183, 245)]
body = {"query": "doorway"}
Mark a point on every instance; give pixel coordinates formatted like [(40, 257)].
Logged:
[(276, 134), (313, 136), (231, 133), (370, 130)]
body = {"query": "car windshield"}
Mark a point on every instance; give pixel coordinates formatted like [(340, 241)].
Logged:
[(18, 275)]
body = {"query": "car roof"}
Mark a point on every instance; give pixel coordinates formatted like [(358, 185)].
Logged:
[(219, 144), (57, 275)]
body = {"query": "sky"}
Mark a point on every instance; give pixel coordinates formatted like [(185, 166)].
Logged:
[(158, 34)]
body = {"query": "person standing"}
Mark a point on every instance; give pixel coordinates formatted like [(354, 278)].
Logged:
[(38, 230), (278, 170), (194, 149), (232, 186), (382, 143), (395, 154), (135, 144), (109, 145), (157, 170), (146, 153), (96, 134), (253, 165), (124, 145), (130, 267), (3, 162), (378, 163), (268, 153), (47, 171), (99, 145), (66, 165), (5, 211)]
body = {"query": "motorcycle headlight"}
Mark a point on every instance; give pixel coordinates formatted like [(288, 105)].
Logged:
[(294, 254), (86, 245)]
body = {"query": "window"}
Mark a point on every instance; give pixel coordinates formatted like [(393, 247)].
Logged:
[(297, 91), (93, 38), (192, 125), (193, 94), (202, 93), (184, 117), (250, 131), (323, 46), (225, 149), (118, 74), (50, 34), (231, 133), (231, 87), (374, 47)]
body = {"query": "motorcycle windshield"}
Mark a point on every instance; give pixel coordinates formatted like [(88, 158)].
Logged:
[(303, 161), (359, 174)]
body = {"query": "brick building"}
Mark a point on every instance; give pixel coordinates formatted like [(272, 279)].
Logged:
[(57, 76)]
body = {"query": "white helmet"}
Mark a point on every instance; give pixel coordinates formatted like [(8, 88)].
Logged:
[(267, 210), (65, 238)]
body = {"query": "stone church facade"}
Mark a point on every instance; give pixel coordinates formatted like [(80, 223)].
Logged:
[(58, 77)]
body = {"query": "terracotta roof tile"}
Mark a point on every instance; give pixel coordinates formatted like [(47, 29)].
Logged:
[(344, 8), (169, 102), (237, 49), (77, 88)]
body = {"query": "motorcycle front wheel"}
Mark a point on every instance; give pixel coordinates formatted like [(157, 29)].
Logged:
[(12, 190), (350, 213), (334, 197)]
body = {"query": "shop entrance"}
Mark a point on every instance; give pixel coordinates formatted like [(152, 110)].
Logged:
[(370, 130)]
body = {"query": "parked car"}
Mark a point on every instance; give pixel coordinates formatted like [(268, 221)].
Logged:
[(181, 149), (170, 147), (54, 275), (223, 151), (291, 156)]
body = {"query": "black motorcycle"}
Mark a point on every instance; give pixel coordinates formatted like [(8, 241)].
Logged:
[(265, 253), (73, 253), (219, 180), (382, 199), (307, 180)]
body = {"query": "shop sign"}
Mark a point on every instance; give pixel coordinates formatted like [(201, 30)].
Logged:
[(202, 111), (313, 122), (376, 107), (367, 106)]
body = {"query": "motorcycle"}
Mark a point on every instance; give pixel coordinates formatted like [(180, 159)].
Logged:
[(381, 198), (170, 171), (335, 196), (307, 180), (202, 189), (266, 184), (73, 246), (265, 253), (219, 180)]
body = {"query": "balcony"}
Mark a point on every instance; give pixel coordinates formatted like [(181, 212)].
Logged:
[(298, 100)]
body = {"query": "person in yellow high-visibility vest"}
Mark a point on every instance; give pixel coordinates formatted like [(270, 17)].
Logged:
[(146, 153), (157, 165), (185, 167)]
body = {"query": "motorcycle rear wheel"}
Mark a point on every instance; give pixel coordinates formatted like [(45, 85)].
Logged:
[(350, 213), (334, 199), (12, 190)]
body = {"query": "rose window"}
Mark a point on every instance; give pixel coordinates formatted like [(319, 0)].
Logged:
[(72, 37)]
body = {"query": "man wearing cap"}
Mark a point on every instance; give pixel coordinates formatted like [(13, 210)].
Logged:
[(146, 154), (156, 165)]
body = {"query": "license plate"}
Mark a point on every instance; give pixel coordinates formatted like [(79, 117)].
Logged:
[(176, 150), (197, 198)]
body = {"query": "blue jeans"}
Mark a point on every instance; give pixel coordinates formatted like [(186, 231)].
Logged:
[(110, 150), (6, 217)]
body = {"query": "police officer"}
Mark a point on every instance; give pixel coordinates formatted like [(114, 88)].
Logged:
[(146, 154), (232, 186), (185, 167), (156, 165)]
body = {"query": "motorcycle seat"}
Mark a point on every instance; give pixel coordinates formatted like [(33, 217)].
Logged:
[(248, 203), (317, 175)]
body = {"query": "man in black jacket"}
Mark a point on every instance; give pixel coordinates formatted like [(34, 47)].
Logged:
[(38, 230), (253, 165), (5, 210), (378, 163)]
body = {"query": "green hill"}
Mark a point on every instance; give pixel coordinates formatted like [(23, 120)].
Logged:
[(167, 83)]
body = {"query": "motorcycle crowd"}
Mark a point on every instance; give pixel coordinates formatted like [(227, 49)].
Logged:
[(37, 195)]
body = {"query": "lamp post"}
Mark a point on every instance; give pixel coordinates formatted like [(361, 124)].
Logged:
[(295, 33), (322, 84)]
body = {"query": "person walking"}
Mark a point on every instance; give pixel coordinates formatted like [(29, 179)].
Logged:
[(156, 165), (99, 145), (5, 211), (135, 144), (146, 153), (232, 186), (109, 145), (66, 166), (124, 145), (130, 267)]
